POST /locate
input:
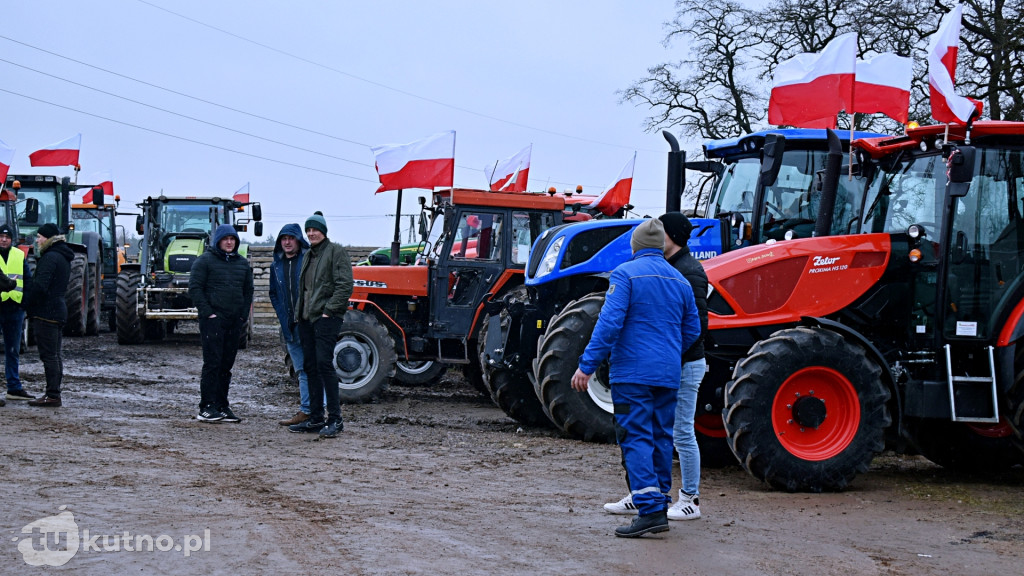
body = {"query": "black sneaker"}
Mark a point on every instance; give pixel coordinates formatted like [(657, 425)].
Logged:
[(649, 524), (331, 430), (19, 395), (229, 416), (210, 414), (309, 427)]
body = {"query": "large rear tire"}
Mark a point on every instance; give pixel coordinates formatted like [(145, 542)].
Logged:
[(583, 415), (92, 322), (128, 325), (77, 296), (474, 374), (364, 358), (419, 373), (806, 410)]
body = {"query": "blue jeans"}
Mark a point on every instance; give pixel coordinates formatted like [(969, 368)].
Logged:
[(11, 324), (295, 351), (683, 436)]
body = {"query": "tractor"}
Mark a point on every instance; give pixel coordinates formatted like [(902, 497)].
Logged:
[(152, 295), (99, 218)]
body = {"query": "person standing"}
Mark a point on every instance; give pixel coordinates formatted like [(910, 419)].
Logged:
[(12, 315), (648, 313), (46, 307), (284, 292), (325, 286), (221, 287)]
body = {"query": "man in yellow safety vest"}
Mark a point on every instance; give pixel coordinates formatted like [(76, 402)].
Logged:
[(12, 315)]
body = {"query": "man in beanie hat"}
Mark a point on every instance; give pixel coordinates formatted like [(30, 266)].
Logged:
[(325, 285), (14, 274), (648, 316), (46, 308), (687, 507), (220, 285)]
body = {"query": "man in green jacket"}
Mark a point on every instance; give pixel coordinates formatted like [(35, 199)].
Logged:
[(325, 285)]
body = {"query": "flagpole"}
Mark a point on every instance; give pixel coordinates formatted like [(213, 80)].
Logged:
[(396, 244), (851, 144)]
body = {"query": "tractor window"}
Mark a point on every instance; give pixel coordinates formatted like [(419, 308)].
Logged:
[(190, 218), (478, 236), (912, 193), (49, 209), (527, 227), (791, 203), (736, 193)]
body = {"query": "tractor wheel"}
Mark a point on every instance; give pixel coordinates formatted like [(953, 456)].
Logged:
[(966, 448), (92, 322), (474, 374), (713, 442), (243, 340), (584, 415), (364, 358), (1015, 397), (806, 410), (112, 320), (420, 373), (77, 297), (129, 325)]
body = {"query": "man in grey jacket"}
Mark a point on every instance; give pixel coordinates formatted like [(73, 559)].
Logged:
[(325, 285)]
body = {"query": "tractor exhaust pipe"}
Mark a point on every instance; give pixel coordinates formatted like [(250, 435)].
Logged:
[(829, 185), (676, 175)]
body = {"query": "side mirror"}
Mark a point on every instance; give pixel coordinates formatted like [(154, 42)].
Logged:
[(140, 225), (962, 161), (257, 212), (771, 162), (31, 210), (97, 196), (259, 228), (423, 227)]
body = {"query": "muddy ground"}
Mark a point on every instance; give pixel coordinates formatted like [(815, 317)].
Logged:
[(427, 481)]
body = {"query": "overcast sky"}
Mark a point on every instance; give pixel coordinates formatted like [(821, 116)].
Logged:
[(201, 97)]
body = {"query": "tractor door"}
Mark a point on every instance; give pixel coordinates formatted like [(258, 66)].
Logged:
[(472, 258)]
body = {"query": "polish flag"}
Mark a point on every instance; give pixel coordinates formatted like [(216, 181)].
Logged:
[(512, 173), (6, 157), (616, 196), (426, 163), (883, 86), (63, 153), (106, 182), (942, 52), (242, 195), (809, 90)]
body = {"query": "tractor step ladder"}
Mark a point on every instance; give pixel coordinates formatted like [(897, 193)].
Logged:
[(972, 381)]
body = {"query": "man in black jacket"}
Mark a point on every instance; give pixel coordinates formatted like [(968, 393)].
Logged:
[(221, 287), (47, 309)]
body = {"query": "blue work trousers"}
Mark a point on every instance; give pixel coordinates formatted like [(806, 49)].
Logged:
[(644, 416), (11, 323)]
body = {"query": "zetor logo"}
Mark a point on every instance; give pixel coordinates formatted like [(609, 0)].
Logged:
[(825, 260)]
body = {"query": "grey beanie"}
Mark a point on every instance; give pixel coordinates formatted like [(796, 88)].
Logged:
[(317, 221), (649, 234)]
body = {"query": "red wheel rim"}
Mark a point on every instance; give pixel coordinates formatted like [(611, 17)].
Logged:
[(710, 425), (1001, 430), (842, 417)]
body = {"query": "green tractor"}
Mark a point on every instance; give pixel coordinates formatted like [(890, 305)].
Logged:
[(152, 294)]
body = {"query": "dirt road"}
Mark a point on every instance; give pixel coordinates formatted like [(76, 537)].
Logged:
[(427, 481)]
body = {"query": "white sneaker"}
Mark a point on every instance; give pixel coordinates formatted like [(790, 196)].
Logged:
[(686, 508), (624, 506)]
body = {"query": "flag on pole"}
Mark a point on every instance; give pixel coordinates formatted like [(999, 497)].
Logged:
[(242, 195), (106, 182), (943, 46), (63, 153), (6, 157), (511, 173), (617, 195), (883, 86), (810, 89), (426, 163)]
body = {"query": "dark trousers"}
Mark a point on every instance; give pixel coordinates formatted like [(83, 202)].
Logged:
[(11, 322), (49, 336), (220, 338), (318, 340)]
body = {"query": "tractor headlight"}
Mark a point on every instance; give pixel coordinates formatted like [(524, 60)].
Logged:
[(915, 231), (550, 260)]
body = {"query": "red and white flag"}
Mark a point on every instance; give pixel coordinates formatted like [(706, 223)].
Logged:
[(242, 195), (883, 86), (512, 173), (617, 195), (426, 163), (6, 157), (106, 182), (809, 90), (63, 153), (943, 46)]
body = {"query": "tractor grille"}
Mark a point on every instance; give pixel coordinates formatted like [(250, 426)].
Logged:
[(180, 262)]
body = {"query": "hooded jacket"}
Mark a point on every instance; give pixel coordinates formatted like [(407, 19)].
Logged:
[(44, 292), (221, 282), (279, 275)]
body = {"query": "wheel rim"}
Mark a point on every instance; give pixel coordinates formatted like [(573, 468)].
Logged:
[(816, 395), (599, 390), (355, 361), (415, 367), (1000, 430), (710, 425)]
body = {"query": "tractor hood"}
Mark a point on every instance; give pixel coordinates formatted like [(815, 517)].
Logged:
[(396, 280), (181, 253)]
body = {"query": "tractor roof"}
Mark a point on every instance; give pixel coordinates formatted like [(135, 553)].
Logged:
[(799, 138), (988, 131), (527, 200)]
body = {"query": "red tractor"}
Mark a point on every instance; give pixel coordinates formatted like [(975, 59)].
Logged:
[(906, 331)]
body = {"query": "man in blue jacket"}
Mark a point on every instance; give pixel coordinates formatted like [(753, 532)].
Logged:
[(648, 319), (284, 292)]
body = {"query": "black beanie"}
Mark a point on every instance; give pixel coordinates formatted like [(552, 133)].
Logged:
[(6, 229), (48, 230), (677, 227)]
